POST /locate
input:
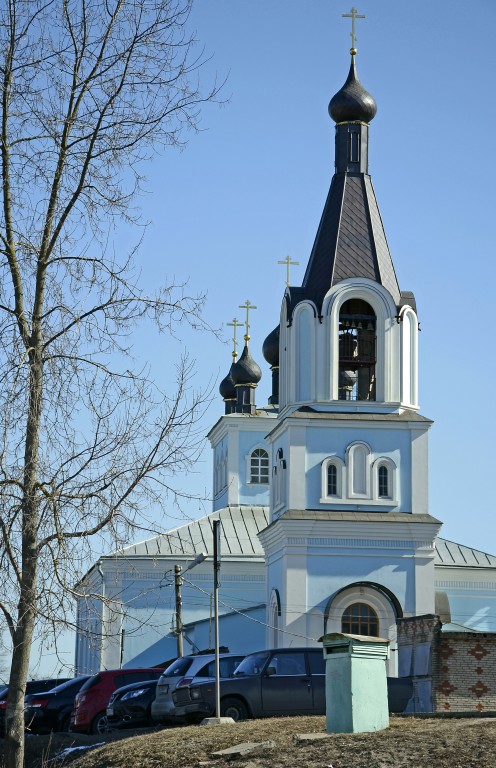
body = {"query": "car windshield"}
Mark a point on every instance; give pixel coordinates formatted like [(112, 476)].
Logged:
[(252, 665)]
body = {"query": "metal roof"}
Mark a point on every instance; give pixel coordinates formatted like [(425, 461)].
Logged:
[(239, 528), (350, 240), (451, 553)]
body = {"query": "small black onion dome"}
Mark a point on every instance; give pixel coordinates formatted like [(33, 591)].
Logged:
[(226, 387), (352, 102), (270, 349), (246, 371)]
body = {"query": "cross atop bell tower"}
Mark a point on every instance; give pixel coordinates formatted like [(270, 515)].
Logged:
[(353, 15)]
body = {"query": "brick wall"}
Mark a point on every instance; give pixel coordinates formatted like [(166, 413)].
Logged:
[(452, 671)]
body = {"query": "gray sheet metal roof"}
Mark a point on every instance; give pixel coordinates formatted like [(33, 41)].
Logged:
[(452, 626), (350, 240), (239, 528), (307, 412), (451, 553)]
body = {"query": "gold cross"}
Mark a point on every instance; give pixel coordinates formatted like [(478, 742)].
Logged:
[(288, 262), (247, 305), (353, 14), (235, 325)]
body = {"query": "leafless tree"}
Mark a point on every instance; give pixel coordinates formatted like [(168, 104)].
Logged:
[(89, 90)]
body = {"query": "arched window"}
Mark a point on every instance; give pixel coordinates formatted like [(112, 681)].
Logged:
[(357, 351), (259, 466), (384, 480), (360, 619), (332, 480), (383, 487)]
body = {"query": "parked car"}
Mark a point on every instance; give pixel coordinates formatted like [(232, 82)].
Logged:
[(32, 686), (282, 681), (130, 705), (183, 672), (90, 705), (51, 710)]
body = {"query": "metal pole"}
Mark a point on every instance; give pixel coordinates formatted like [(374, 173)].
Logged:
[(121, 649), (216, 527), (179, 611)]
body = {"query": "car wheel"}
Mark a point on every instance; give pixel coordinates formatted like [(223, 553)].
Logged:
[(233, 708), (99, 724)]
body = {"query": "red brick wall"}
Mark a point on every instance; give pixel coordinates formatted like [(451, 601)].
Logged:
[(462, 665), (464, 672)]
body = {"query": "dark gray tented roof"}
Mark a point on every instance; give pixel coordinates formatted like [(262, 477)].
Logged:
[(350, 241)]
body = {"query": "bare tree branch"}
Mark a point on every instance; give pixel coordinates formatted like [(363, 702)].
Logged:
[(90, 446)]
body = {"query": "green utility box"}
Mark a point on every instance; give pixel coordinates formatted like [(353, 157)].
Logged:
[(356, 683)]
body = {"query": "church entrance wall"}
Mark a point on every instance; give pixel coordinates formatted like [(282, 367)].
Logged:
[(342, 605)]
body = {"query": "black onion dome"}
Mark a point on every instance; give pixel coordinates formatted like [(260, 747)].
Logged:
[(246, 370), (352, 101), (270, 349), (226, 387)]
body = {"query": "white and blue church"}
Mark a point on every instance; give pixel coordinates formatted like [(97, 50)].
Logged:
[(322, 494)]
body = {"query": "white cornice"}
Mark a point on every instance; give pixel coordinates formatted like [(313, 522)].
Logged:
[(240, 421), (351, 423), (346, 533)]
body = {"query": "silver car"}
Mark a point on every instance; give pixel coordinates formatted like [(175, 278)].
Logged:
[(184, 671)]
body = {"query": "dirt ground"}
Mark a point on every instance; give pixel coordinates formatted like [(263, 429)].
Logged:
[(412, 742)]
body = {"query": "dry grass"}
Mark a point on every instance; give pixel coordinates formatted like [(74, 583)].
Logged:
[(416, 743)]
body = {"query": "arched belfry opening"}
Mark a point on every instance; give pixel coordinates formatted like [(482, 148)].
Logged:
[(357, 351)]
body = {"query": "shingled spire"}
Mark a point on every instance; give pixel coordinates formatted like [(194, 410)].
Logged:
[(350, 240)]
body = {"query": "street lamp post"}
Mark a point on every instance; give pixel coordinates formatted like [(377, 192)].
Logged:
[(216, 532)]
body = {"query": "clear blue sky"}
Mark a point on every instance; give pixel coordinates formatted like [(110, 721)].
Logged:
[(250, 188)]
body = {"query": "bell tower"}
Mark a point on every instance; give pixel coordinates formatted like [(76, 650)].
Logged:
[(349, 521)]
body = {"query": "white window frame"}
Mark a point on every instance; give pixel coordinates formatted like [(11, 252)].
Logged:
[(340, 468), (248, 465), (383, 461)]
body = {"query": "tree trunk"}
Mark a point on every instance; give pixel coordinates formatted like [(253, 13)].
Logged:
[(26, 612)]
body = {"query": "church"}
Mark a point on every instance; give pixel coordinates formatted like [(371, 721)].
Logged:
[(322, 494)]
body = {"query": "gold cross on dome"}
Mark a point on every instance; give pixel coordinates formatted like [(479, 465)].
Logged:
[(288, 263), (353, 15), (247, 305), (235, 325)]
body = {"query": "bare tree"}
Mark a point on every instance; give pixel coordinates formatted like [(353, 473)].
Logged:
[(90, 90)]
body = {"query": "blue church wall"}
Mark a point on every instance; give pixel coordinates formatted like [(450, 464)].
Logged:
[(392, 444), (327, 574), (221, 500), (220, 478), (241, 634), (148, 601)]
